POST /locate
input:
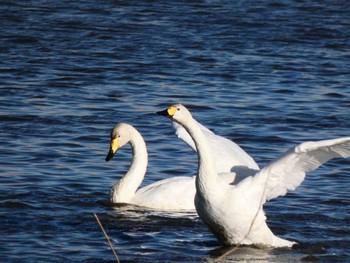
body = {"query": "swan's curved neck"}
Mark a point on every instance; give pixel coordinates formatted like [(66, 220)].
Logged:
[(124, 190), (207, 175)]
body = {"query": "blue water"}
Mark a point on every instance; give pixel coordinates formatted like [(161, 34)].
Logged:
[(267, 75)]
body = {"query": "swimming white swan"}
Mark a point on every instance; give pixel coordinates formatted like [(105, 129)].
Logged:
[(176, 193), (234, 213)]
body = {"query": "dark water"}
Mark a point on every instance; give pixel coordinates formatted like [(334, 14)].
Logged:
[(265, 74)]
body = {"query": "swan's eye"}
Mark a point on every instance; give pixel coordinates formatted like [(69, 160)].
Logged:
[(178, 109)]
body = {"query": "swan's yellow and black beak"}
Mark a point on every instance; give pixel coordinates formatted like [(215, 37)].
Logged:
[(114, 146), (169, 112)]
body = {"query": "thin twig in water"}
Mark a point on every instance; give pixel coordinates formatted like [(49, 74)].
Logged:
[(108, 239), (251, 225)]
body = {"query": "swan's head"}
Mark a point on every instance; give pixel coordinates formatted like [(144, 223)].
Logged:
[(177, 113), (120, 135)]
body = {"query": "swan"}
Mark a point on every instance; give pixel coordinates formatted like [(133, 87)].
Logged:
[(234, 212), (176, 193)]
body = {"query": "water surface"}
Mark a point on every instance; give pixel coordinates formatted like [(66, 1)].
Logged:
[(266, 75)]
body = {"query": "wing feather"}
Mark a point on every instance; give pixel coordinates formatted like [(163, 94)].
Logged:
[(227, 155), (288, 172)]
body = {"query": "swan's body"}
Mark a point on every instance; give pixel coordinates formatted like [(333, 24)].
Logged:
[(176, 193), (234, 213)]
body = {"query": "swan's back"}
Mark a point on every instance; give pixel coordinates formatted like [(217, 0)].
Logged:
[(176, 193)]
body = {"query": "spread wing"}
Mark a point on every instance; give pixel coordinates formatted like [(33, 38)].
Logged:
[(287, 172)]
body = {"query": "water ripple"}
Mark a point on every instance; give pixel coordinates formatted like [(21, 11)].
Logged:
[(251, 72)]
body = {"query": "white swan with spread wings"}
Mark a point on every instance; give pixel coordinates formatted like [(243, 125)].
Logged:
[(234, 212)]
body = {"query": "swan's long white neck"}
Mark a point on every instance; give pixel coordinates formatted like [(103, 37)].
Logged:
[(207, 175), (124, 190)]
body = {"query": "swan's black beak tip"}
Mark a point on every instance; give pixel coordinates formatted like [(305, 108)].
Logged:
[(163, 113), (109, 155)]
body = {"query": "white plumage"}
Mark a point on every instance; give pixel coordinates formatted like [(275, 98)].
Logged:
[(227, 155), (234, 213), (176, 193)]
